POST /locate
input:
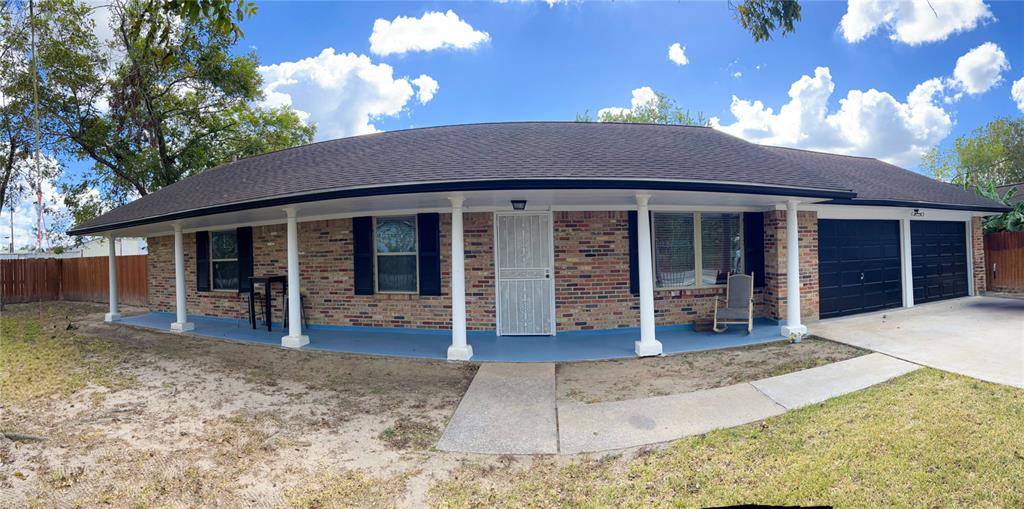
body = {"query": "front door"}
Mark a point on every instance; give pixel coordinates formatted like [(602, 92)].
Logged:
[(525, 285)]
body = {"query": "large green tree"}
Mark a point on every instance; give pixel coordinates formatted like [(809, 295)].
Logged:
[(165, 98), (20, 175), (763, 18), (15, 106), (661, 110), (990, 155)]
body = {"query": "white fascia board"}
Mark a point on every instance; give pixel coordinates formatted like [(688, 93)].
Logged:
[(875, 212)]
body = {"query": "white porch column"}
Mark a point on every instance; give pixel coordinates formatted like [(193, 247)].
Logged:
[(906, 267), (647, 346), (793, 326), (181, 324), (294, 339), (459, 349), (113, 315)]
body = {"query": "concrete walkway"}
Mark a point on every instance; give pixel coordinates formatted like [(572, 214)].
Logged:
[(981, 337), (620, 424), (510, 408), (810, 386)]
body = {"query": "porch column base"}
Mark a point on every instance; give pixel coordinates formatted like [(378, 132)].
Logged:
[(649, 348), (294, 341), (460, 352), (794, 331), (111, 317), (182, 326)]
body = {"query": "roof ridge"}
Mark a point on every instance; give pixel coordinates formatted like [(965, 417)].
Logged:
[(443, 126), (826, 153)]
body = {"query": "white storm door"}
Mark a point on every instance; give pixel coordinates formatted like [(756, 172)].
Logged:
[(525, 283)]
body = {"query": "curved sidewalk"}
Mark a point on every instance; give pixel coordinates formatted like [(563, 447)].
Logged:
[(503, 418)]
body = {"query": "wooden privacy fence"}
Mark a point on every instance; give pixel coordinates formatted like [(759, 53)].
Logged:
[(1004, 261), (27, 280)]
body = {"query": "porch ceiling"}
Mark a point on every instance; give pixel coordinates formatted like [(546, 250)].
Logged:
[(475, 201)]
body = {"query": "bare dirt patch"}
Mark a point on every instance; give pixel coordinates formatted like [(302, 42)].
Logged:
[(142, 418), (615, 380)]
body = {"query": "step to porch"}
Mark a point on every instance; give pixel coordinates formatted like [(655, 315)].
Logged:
[(508, 409)]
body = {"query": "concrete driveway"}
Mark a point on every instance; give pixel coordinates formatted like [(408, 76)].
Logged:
[(981, 337)]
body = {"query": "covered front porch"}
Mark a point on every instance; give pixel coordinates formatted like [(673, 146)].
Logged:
[(487, 346), (579, 264)]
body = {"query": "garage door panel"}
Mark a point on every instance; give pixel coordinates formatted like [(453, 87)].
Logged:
[(859, 266), (939, 260)]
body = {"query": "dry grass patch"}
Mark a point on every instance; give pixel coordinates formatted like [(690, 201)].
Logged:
[(44, 358), (348, 489), (409, 433), (614, 380), (927, 439)]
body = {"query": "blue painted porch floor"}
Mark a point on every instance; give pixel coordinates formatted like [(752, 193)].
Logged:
[(487, 346)]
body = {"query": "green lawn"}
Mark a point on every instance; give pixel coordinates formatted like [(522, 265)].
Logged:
[(927, 439)]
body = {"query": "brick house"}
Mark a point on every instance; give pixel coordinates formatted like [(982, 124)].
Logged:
[(541, 228)]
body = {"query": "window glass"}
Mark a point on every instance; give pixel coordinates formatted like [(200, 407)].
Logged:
[(224, 245), (395, 241), (224, 260), (396, 234), (721, 249), (673, 250), (396, 273), (225, 275)]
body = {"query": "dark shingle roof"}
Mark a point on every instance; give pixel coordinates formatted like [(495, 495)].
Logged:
[(475, 156), (1017, 197), (884, 183)]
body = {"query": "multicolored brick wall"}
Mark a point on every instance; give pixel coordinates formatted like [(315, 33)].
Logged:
[(978, 255), (591, 278), (592, 271), (775, 264), (327, 281)]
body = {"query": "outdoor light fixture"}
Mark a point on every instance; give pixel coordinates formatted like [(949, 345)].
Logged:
[(518, 204), (917, 213)]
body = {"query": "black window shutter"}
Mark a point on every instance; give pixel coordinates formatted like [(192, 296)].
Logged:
[(244, 239), (362, 254), (753, 246), (429, 225), (634, 257), (203, 261)]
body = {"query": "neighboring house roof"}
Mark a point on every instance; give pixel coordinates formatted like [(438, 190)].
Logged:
[(520, 155), (1018, 197), (880, 183)]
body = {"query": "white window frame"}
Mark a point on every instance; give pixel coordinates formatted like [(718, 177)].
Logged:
[(698, 245), (415, 254), (212, 260)]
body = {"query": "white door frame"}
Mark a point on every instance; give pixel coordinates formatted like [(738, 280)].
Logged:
[(551, 261)]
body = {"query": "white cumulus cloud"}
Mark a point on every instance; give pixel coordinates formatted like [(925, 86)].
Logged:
[(737, 74), (981, 68), (426, 87), (870, 123), (1017, 93), (434, 30), (912, 22), (343, 93), (677, 54), (642, 96)]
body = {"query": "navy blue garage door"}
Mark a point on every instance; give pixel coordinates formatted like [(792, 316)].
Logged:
[(939, 259), (858, 266)]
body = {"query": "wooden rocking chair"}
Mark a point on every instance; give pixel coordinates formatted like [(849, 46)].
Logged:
[(739, 303)]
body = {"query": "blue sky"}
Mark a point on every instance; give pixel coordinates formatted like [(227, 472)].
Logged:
[(542, 62), (445, 63)]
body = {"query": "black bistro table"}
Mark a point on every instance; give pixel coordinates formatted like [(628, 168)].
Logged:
[(267, 282)]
